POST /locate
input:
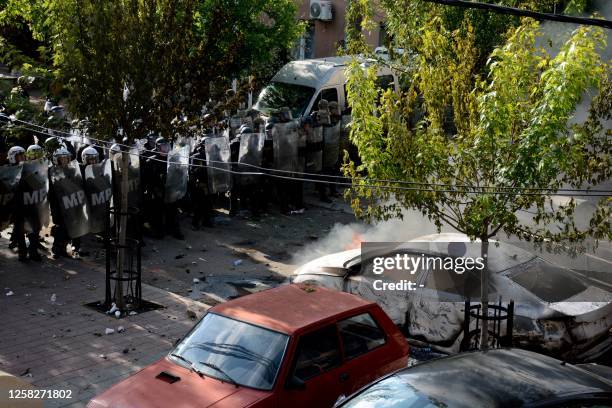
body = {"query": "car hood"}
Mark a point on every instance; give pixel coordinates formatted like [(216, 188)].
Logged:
[(164, 383), (331, 265)]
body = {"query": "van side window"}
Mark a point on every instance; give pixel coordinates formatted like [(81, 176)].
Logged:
[(360, 334), (385, 82), (317, 352), (329, 94)]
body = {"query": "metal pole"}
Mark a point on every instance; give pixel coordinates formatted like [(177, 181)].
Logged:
[(125, 163)]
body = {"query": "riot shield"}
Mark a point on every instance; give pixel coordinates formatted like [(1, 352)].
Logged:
[(285, 140), (35, 188), (9, 180), (133, 177), (69, 195), (314, 150), (218, 158), (99, 189), (251, 153), (177, 176), (331, 145)]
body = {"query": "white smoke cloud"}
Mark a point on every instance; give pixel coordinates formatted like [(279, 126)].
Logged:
[(348, 236)]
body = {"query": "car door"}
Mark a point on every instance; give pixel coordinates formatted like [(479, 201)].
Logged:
[(368, 353), (314, 378)]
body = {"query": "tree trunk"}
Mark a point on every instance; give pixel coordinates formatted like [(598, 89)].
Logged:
[(484, 294), (122, 228)]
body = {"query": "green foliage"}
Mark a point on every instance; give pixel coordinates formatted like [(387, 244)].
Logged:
[(497, 130), (171, 55)]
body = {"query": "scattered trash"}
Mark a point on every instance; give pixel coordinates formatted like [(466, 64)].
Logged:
[(118, 314), (154, 249), (300, 211), (194, 263), (179, 256), (25, 373), (132, 313), (202, 259), (113, 309), (102, 356), (10, 293), (187, 270), (53, 298), (313, 237), (28, 294), (98, 334), (41, 311), (188, 246), (196, 280), (109, 331), (120, 329), (126, 350), (238, 262), (191, 314)]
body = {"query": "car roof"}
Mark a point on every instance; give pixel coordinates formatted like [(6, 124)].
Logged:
[(499, 377), (290, 308)]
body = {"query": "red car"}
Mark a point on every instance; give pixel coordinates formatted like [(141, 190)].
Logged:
[(292, 346)]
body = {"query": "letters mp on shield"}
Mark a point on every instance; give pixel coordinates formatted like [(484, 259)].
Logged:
[(99, 190), (34, 188), (70, 197)]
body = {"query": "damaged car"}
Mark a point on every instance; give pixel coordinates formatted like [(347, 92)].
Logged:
[(556, 311)]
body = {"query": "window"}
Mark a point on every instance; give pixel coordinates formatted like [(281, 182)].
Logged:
[(249, 354), (279, 94), (360, 334), (385, 82), (317, 352), (330, 95)]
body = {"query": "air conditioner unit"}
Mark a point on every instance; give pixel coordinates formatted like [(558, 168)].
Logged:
[(321, 10)]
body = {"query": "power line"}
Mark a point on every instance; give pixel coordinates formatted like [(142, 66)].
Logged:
[(447, 188), (525, 13)]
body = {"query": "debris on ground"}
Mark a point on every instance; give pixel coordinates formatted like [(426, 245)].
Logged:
[(25, 373), (113, 309), (109, 331), (102, 356), (179, 256), (238, 262), (126, 350), (118, 314), (133, 313), (191, 314), (196, 280), (10, 293), (53, 298), (120, 329)]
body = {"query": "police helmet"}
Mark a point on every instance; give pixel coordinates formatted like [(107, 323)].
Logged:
[(89, 155), (60, 153), (34, 152), (13, 153)]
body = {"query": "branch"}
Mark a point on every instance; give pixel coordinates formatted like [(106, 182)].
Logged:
[(526, 13)]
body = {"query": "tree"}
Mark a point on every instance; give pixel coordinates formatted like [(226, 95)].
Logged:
[(167, 55), (486, 146)]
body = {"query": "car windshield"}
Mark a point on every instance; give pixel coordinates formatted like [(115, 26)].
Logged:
[(392, 392), (548, 282), (279, 94), (234, 351)]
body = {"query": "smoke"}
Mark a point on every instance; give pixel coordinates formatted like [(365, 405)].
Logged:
[(343, 237)]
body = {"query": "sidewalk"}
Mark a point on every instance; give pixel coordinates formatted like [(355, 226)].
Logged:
[(62, 344)]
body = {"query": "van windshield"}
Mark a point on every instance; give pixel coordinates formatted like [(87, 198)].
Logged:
[(279, 94)]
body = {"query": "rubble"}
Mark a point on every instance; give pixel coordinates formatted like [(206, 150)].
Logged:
[(109, 331)]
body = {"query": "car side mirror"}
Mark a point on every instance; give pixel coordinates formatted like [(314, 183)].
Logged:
[(295, 383)]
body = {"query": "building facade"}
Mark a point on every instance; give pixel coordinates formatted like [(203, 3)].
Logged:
[(323, 37)]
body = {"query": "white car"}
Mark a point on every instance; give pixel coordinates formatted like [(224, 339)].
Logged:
[(556, 310)]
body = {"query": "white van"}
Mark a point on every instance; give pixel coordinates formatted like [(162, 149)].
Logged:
[(299, 85)]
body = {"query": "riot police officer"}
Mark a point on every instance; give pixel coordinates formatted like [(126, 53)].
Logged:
[(154, 174), (17, 155), (198, 188), (61, 159)]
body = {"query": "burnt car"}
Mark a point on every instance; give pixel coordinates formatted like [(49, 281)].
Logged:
[(556, 311), (294, 345), (494, 378)]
